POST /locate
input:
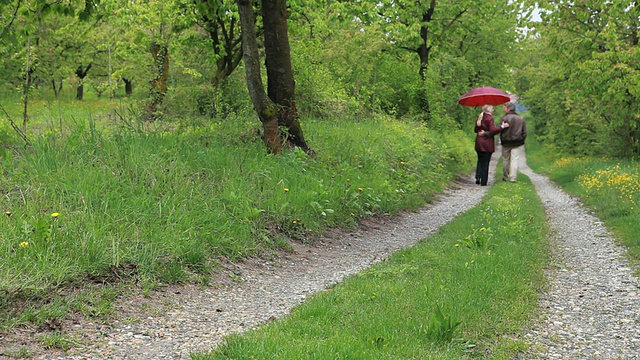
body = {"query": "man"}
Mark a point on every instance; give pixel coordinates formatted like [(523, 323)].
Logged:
[(512, 139)]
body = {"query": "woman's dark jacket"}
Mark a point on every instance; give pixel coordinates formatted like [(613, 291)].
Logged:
[(485, 143)]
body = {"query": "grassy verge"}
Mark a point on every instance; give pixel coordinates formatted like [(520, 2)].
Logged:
[(93, 202), (610, 187), (461, 293)]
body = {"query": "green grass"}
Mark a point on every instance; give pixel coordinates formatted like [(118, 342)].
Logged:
[(159, 206), (610, 187), (464, 292)]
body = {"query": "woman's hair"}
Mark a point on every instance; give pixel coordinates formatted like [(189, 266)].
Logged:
[(485, 109)]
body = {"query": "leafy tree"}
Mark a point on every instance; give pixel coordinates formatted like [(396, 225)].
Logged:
[(9, 12), (55, 33), (140, 37), (454, 45), (427, 28), (220, 20), (38, 46), (587, 93)]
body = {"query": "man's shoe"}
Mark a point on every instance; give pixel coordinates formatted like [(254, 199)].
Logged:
[(477, 181)]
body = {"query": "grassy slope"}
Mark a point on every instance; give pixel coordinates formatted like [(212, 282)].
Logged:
[(161, 206)]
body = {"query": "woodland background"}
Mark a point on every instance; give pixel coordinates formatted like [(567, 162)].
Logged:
[(576, 69)]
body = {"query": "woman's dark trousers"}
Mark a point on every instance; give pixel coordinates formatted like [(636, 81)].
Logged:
[(482, 169)]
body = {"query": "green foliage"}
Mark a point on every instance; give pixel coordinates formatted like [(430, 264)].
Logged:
[(480, 239), (346, 63), (441, 328), (581, 79), (22, 353), (319, 93), (228, 100), (8, 138)]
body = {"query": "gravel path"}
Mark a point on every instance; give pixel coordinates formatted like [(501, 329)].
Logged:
[(590, 311), (592, 307)]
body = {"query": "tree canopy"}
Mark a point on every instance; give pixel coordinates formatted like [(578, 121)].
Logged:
[(581, 78), (576, 69)]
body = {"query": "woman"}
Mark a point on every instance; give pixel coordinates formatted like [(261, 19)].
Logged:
[(485, 129)]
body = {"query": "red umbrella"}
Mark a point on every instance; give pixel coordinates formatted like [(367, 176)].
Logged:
[(484, 96)]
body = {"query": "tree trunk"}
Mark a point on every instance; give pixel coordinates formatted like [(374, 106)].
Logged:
[(266, 109), (280, 80), (80, 91), (81, 74), (56, 89), (424, 51), (279, 107), (159, 85), (128, 87), (27, 86), (425, 48)]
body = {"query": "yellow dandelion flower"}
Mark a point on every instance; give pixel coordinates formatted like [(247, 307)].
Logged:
[(360, 189), (24, 244), (457, 245), (8, 213), (55, 215), (286, 189), (295, 221)]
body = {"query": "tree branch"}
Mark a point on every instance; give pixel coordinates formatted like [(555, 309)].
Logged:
[(450, 24), (13, 17), (15, 127)]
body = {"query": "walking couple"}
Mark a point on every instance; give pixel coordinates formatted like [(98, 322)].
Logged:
[(513, 133)]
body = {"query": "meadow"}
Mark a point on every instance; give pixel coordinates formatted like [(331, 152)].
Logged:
[(100, 198)]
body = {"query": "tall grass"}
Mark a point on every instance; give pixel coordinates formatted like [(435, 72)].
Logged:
[(465, 292), (101, 203)]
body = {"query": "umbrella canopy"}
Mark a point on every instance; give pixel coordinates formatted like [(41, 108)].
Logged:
[(484, 96)]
